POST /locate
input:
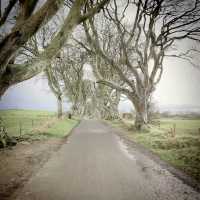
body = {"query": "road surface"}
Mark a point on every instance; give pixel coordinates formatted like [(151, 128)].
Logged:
[(95, 164)]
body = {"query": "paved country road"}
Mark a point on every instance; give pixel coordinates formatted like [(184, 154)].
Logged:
[(95, 164)]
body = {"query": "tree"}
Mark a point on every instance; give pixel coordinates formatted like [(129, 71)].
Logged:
[(108, 101), (31, 51), (107, 98), (142, 43), (28, 25), (54, 84), (71, 74), (87, 98)]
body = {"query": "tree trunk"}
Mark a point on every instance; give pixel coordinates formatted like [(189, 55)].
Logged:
[(114, 110), (141, 118), (16, 73), (21, 33), (59, 108), (110, 113), (3, 88)]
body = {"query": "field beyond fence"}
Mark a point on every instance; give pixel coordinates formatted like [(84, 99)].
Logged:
[(176, 140), (21, 122)]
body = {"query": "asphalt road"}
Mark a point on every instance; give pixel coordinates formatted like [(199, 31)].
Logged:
[(95, 164)]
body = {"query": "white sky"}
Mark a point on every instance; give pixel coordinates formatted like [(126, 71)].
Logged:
[(179, 84), (31, 94)]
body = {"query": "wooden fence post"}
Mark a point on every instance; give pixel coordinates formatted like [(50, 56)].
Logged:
[(20, 128), (174, 130)]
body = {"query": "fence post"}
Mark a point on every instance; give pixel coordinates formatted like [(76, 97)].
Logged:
[(174, 130), (20, 128)]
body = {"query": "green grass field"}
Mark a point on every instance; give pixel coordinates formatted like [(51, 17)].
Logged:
[(40, 124), (61, 128), (181, 149), (26, 120)]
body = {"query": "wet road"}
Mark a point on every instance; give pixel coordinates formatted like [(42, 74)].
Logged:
[(95, 164)]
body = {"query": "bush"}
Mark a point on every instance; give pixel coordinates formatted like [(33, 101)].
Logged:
[(5, 140)]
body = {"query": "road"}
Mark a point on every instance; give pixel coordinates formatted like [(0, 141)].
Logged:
[(95, 164)]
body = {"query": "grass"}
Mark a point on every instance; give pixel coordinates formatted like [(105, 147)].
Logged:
[(181, 149), (23, 121), (61, 128), (36, 124)]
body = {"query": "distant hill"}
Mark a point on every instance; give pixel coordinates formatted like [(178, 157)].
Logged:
[(179, 109)]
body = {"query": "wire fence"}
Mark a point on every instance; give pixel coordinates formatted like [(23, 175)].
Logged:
[(23, 125)]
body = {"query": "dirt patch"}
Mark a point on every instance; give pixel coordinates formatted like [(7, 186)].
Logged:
[(19, 163)]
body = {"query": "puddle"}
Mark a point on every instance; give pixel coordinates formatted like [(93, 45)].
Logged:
[(124, 149)]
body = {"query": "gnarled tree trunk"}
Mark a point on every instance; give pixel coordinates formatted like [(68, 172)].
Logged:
[(59, 107), (141, 118), (23, 31)]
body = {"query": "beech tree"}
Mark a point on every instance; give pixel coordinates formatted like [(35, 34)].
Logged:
[(87, 98), (107, 98), (27, 24), (141, 43), (70, 69), (32, 49), (54, 84), (108, 101)]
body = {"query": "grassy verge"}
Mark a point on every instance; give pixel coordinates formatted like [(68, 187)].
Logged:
[(60, 129), (21, 122), (181, 149), (35, 124)]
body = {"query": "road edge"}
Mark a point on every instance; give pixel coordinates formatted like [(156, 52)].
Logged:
[(71, 131), (185, 178)]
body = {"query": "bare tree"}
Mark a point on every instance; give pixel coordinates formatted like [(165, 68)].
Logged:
[(27, 25), (108, 101), (54, 84), (31, 50), (71, 74), (87, 98), (140, 44), (108, 98)]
